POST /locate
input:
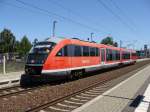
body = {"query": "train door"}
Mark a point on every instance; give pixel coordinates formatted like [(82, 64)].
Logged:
[(102, 56)]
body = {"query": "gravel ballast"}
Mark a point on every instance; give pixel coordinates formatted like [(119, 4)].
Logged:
[(43, 95)]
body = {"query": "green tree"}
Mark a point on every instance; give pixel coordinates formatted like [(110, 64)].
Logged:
[(7, 41), (25, 45), (109, 41), (115, 44), (17, 47)]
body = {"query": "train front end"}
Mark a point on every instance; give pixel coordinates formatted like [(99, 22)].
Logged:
[(35, 61), (37, 57)]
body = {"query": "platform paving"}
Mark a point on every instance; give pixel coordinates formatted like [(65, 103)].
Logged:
[(10, 79), (120, 97)]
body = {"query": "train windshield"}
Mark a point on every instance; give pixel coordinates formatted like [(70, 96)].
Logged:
[(42, 47), (39, 52)]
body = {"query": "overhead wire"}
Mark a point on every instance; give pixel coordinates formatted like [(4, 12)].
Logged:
[(57, 15), (115, 15), (13, 5), (47, 12), (76, 14), (123, 13), (125, 16)]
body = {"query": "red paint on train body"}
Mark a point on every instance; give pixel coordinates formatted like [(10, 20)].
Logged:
[(67, 55)]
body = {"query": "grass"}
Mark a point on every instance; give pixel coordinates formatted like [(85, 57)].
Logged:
[(12, 66)]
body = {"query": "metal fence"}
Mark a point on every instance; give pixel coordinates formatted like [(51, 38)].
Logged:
[(11, 62)]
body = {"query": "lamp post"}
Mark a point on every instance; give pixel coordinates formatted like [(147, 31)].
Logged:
[(54, 25), (120, 43), (92, 36)]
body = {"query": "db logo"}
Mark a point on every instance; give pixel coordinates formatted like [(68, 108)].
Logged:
[(85, 61)]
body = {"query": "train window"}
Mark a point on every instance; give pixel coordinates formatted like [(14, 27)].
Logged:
[(86, 51), (60, 52), (126, 55), (63, 51), (134, 54), (71, 50), (92, 51), (117, 55), (66, 51), (42, 47), (113, 55), (97, 52), (109, 54), (123, 55), (77, 51)]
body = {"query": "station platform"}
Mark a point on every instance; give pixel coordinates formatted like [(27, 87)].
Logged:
[(131, 95), (10, 79)]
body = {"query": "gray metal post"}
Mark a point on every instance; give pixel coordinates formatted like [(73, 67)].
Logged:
[(92, 36), (120, 43), (54, 25), (120, 50)]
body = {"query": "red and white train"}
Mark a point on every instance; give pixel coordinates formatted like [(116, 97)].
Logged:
[(59, 57)]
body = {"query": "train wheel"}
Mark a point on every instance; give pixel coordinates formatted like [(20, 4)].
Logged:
[(80, 73), (71, 76), (76, 74)]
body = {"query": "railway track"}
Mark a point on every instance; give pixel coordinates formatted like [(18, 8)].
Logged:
[(17, 90), (77, 99), (72, 101), (59, 102), (6, 92)]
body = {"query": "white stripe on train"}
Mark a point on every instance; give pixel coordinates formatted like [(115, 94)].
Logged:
[(99, 66)]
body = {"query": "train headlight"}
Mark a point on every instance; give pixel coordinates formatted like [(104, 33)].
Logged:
[(26, 70), (32, 61)]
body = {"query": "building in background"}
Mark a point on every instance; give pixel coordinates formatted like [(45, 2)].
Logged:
[(144, 53)]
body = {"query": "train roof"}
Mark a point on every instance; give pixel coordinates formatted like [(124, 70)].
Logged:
[(55, 39), (83, 42)]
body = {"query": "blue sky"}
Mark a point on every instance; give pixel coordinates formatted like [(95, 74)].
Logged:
[(130, 24)]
